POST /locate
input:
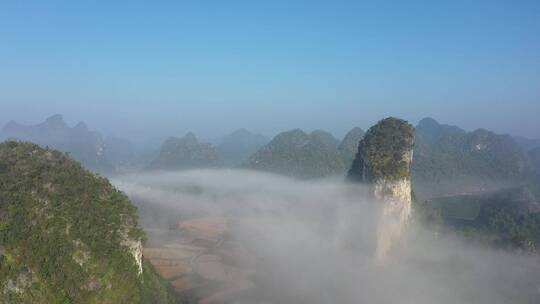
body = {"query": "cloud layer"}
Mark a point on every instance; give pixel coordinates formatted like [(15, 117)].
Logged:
[(314, 242)]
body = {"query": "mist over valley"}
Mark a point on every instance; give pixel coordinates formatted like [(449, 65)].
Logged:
[(269, 152)]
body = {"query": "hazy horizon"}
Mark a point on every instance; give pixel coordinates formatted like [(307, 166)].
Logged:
[(113, 211), (142, 71), (217, 134)]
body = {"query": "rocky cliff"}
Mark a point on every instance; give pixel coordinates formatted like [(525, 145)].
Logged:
[(383, 163)]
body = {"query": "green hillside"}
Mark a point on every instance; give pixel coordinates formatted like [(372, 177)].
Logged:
[(448, 160), (384, 152), (66, 235), (349, 145), (185, 153), (297, 154)]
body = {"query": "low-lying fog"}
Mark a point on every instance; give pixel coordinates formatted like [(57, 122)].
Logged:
[(313, 242)]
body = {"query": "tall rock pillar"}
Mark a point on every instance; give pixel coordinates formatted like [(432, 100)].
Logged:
[(383, 163)]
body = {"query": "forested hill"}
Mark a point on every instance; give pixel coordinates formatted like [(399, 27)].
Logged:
[(298, 154), (66, 235), (449, 160), (185, 153)]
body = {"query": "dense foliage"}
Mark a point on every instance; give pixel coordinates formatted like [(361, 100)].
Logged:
[(297, 154), (515, 229), (448, 160), (508, 229), (384, 152), (64, 232), (507, 218)]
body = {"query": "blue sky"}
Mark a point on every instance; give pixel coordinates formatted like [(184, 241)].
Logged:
[(157, 68)]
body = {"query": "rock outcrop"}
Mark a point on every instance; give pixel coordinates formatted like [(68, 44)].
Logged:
[(383, 163), (136, 250)]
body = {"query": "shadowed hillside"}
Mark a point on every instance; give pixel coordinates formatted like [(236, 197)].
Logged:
[(236, 147), (448, 160), (185, 153)]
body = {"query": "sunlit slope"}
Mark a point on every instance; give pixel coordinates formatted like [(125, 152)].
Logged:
[(297, 154), (66, 235)]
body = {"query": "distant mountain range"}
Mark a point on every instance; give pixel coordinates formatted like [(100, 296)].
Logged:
[(238, 146), (527, 143), (185, 153), (449, 160), (82, 144), (349, 145), (298, 154), (534, 156)]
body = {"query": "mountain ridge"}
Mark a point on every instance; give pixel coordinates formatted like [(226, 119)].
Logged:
[(449, 157), (84, 145), (185, 153)]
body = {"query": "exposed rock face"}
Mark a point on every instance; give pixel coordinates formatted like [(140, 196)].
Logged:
[(136, 250), (383, 162), (396, 197)]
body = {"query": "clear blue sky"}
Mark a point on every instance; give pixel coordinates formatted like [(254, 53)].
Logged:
[(157, 68)]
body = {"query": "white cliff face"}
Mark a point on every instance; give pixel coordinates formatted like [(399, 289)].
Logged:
[(136, 249), (395, 195), (396, 210), (383, 162)]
